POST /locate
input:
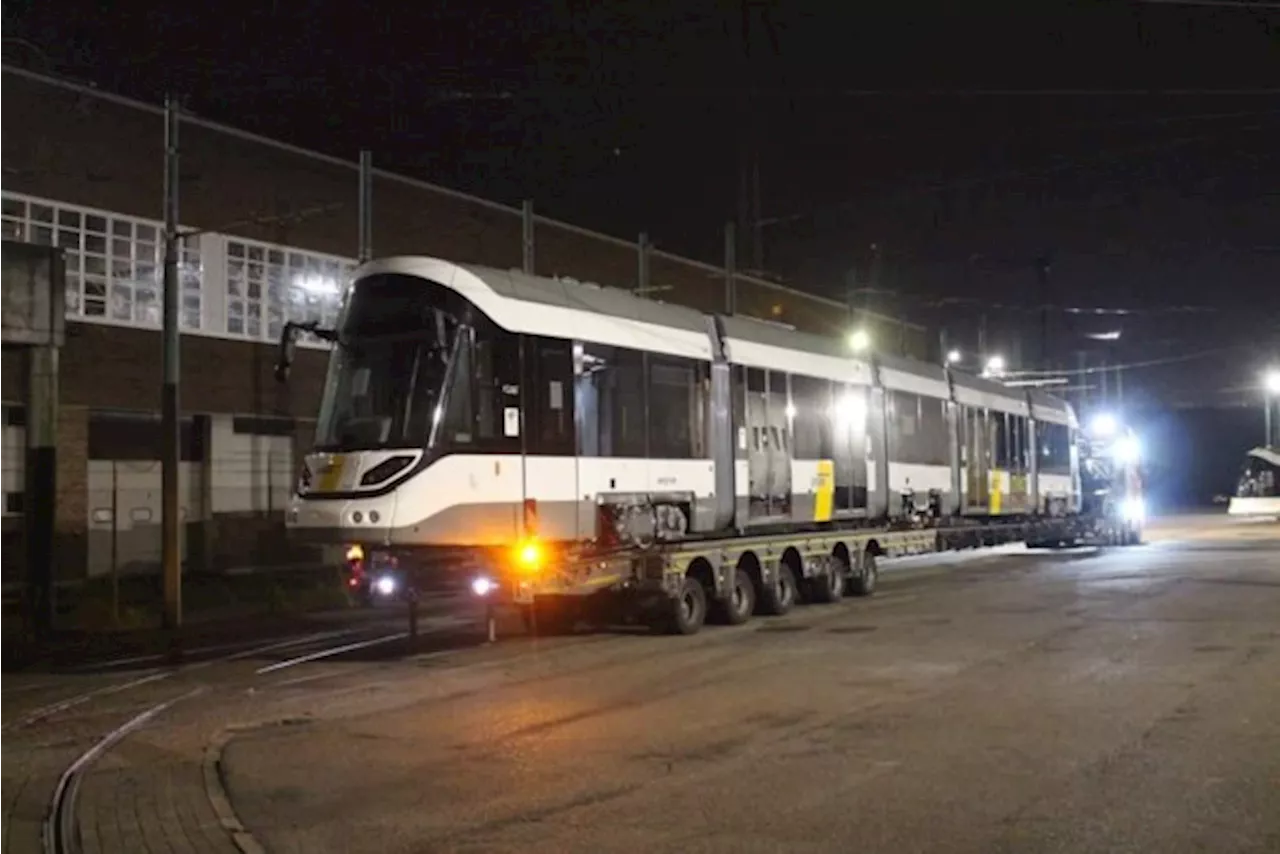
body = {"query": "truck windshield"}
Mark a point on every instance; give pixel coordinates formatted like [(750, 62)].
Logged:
[(387, 373)]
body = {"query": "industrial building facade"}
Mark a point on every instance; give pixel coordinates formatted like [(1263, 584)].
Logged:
[(273, 239)]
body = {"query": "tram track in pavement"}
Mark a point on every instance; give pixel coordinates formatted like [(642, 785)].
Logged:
[(176, 684)]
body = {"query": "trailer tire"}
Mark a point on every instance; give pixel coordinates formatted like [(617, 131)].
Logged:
[(689, 609), (780, 597), (828, 588), (741, 603), (548, 617), (865, 579)]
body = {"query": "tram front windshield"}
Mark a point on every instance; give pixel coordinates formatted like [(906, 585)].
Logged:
[(388, 371)]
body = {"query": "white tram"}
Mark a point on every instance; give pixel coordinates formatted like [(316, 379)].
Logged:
[(471, 408)]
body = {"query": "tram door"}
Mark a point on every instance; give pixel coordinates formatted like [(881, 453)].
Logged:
[(975, 444), (768, 445)]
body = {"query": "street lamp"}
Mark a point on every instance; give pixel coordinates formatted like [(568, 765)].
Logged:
[(859, 340), (953, 357), (1270, 391)]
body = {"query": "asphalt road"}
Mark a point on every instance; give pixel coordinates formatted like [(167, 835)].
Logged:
[(1118, 700)]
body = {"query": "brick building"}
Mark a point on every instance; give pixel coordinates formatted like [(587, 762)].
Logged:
[(277, 234)]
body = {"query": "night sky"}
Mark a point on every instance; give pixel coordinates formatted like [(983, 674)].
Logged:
[(1134, 146)]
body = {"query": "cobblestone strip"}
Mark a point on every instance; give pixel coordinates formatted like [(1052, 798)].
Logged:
[(216, 790)]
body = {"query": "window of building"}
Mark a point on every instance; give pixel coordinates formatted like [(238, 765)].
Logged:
[(114, 262), (268, 285)]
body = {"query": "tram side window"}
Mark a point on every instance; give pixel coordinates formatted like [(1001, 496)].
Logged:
[(811, 426), (935, 440), (904, 426), (549, 412), (1017, 427), (485, 385), (610, 396), (460, 426), (677, 401), (1054, 442), (1001, 453)]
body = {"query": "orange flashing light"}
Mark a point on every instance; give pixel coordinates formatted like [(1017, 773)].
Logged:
[(529, 556)]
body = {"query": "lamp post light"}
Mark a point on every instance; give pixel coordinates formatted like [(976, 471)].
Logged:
[(859, 341), (954, 357), (1270, 392)]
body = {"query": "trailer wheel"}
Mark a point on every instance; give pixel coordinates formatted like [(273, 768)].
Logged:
[(829, 586), (740, 604), (549, 616), (778, 598), (689, 610), (864, 580)]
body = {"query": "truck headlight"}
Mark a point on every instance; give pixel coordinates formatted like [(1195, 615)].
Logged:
[(1133, 510)]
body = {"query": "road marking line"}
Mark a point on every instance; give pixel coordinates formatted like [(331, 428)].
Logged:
[(71, 702), (326, 653)]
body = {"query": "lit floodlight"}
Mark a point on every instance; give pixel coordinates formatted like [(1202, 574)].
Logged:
[(859, 340), (994, 367), (1126, 450), (1271, 381), (1103, 424)]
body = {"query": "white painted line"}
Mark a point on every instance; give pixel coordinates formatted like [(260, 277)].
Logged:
[(71, 702), (326, 653), (51, 709), (235, 645), (285, 644)]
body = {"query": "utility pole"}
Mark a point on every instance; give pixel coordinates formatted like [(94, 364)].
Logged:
[(982, 340), (171, 450), (730, 269), (757, 217), (526, 240), (642, 274), (366, 206), (1042, 274)]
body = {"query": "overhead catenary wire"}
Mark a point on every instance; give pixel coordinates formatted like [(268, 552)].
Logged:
[(930, 301), (1241, 5), (1130, 366)]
